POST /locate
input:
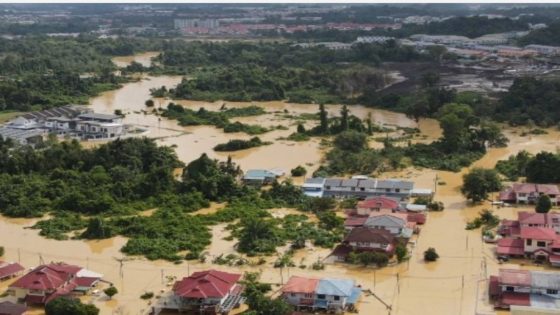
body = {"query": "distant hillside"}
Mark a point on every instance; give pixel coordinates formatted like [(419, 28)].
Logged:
[(472, 26), (545, 36)]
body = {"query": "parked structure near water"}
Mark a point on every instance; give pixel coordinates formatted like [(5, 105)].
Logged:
[(529, 193), (533, 235), (67, 121), (332, 295), (9, 270), (535, 290)]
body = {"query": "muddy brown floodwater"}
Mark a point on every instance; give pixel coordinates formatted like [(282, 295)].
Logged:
[(449, 286)]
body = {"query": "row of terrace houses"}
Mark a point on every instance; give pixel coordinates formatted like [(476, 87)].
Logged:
[(529, 193), (360, 187), (536, 290), (73, 121), (533, 235), (331, 295)]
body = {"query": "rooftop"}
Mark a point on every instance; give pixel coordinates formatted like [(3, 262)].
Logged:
[(300, 285), (206, 284), (365, 234), (337, 287), (538, 233)]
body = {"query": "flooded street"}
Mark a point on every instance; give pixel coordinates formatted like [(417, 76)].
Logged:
[(448, 286)]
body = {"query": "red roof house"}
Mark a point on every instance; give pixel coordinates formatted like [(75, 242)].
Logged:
[(209, 292), (206, 284), (378, 203), (510, 247), (46, 282), (300, 285), (538, 233), (9, 270)]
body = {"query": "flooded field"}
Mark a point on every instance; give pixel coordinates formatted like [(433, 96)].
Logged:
[(449, 286)]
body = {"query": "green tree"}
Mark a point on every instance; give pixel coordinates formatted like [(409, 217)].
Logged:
[(430, 254), (298, 171), (351, 140), (543, 204), (344, 118), (97, 229), (69, 306), (149, 103), (258, 302), (323, 118), (300, 128), (111, 291), (401, 252), (479, 182)]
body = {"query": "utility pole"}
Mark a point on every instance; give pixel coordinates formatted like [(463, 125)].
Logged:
[(374, 279), (398, 284), (162, 282), (41, 261)]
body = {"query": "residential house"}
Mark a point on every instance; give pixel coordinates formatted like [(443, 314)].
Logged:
[(413, 219), (332, 295), (530, 219), (259, 177), (396, 223), (207, 292), (9, 308), (539, 243), (10, 270), (529, 193), (534, 289), (47, 282), (376, 204), (365, 239)]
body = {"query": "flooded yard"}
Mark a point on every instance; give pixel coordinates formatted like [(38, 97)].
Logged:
[(449, 286)]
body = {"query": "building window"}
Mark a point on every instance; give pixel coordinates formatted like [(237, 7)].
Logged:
[(308, 295), (509, 289), (551, 291), (292, 294), (387, 189), (529, 242), (397, 190), (541, 244), (328, 187), (321, 296), (337, 298)]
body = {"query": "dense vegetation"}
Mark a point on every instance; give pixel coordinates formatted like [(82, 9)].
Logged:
[(530, 101), (239, 71), (237, 144), (102, 190), (465, 138), (42, 72), (69, 306), (541, 168), (219, 119), (545, 36)]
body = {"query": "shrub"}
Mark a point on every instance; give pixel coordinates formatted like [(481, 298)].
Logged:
[(147, 295), (111, 291), (430, 254), (149, 103), (401, 252), (298, 171), (1, 251)]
